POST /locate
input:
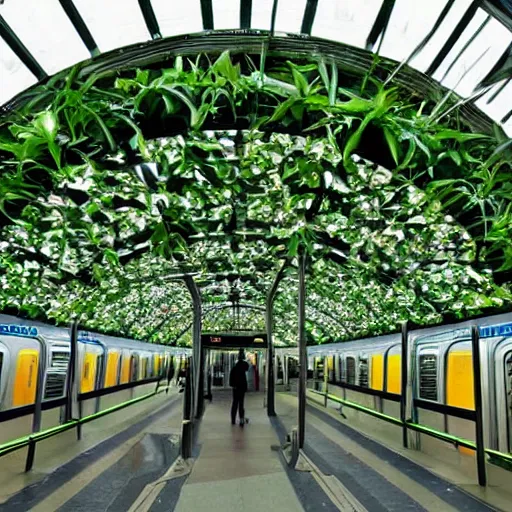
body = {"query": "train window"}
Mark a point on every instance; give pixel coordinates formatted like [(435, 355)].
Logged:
[(134, 366), (351, 370), (363, 372), (343, 374), (118, 371), (508, 379), (56, 375), (428, 376), (99, 371)]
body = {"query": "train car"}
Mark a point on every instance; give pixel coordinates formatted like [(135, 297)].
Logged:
[(440, 369), (32, 350)]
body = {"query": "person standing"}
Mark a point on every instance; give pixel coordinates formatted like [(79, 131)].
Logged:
[(238, 381)]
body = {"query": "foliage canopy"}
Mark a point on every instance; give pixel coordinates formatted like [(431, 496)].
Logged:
[(110, 185)]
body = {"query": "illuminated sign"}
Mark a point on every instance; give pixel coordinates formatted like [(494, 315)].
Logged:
[(215, 339), (259, 340), (18, 330)]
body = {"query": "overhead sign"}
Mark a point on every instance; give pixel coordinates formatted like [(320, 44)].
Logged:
[(234, 340)]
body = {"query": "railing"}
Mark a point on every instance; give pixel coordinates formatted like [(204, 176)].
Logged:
[(410, 425), (31, 440)]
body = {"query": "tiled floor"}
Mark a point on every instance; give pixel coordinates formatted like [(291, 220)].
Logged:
[(236, 469)]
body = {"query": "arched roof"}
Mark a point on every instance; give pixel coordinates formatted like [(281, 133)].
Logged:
[(394, 234), (465, 45)]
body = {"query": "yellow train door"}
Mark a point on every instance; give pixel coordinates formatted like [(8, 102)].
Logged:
[(25, 380), (88, 372)]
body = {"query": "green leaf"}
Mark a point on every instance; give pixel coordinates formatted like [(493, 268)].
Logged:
[(392, 141), (282, 109), (293, 246), (459, 136), (333, 87), (224, 66)]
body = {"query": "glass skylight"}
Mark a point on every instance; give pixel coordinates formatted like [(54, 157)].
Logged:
[(52, 34)]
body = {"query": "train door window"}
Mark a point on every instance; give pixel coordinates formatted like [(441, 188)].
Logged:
[(343, 373), (508, 383), (351, 370), (428, 376), (134, 367), (377, 369), (459, 379), (363, 372), (26, 377), (99, 371), (394, 374), (144, 368), (119, 369)]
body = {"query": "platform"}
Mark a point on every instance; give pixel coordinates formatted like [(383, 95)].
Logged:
[(236, 469), (373, 476)]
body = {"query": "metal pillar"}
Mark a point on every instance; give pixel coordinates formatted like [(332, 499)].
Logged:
[(303, 355), (479, 423), (209, 375), (403, 395), (269, 321), (197, 362), (36, 421), (72, 382), (187, 424), (326, 379)]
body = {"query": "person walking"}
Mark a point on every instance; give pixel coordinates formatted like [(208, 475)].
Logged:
[(238, 381)]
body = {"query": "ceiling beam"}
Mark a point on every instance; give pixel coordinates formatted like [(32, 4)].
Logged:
[(309, 17), (381, 24), (207, 14), (150, 19), (80, 26), (454, 37), (245, 13), (15, 44)]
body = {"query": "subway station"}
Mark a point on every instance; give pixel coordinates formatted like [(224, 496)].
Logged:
[(255, 255)]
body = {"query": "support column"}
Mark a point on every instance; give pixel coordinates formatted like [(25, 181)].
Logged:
[(404, 378), (197, 363), (36, 421), (269, 320), (303, 355), (72, 382), (479, 423)]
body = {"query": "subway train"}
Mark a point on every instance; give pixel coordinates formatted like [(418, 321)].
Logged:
[(440, 370), (103, 361)]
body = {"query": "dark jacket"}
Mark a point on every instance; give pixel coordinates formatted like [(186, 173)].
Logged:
[(237, 378)]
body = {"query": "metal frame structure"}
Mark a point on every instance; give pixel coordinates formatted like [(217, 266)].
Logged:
[(269, 321), (377, 32), (303, 354)]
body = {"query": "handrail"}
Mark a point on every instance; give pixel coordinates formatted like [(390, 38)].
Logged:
[(34, 438), (442, 436), (18, 412)]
